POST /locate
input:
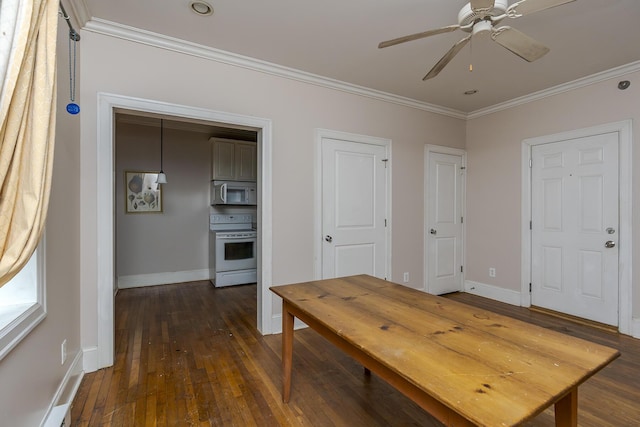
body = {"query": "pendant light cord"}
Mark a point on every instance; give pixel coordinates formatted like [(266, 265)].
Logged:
[(161, 147)]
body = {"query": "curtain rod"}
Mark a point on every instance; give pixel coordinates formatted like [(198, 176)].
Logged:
[(73, 34)]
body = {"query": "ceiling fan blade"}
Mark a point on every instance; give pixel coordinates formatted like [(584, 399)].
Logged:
[(447, 58), (418, 36), (524, 7), (519, 43), (481, 4)]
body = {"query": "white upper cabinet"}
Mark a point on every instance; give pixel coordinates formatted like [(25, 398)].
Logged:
[(233, 160)]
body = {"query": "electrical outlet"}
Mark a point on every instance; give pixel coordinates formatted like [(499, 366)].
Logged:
[(63, 352), (492, 272), (405, 277)]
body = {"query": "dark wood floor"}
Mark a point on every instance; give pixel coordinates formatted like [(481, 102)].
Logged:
[(190, 355)]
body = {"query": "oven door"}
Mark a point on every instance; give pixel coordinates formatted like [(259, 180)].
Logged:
[(235, 253)]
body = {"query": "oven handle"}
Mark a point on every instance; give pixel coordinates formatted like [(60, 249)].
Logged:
[(223, 192), (248, 239)]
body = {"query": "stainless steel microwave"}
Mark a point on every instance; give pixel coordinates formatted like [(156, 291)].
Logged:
[(233, 193)]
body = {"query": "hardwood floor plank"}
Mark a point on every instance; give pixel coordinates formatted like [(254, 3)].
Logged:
[(189, 354)]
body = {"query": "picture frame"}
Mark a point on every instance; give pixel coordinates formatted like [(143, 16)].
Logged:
[(141, 192)]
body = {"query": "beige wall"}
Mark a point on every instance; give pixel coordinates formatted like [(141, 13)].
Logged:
[(296, 110), (494, 144), (31, 373), (141, 239)]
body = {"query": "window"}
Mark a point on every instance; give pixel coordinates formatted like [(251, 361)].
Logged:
[(22, 302)]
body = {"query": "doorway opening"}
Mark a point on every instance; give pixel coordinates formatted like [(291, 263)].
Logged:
[(149, 214), (108, 106)]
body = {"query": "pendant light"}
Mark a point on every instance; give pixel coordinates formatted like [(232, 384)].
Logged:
[(162, 178)]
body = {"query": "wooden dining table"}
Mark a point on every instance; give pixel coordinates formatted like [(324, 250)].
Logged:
[(462, 364)]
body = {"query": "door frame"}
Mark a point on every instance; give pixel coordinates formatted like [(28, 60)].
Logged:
[(104, 277), (440, 149), (319, 135), (625, 196)]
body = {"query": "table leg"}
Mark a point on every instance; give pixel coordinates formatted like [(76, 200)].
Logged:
[(567, 410), (287, 351)]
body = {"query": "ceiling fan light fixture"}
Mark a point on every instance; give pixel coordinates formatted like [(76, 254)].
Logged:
[(481, 27), (201, 8)]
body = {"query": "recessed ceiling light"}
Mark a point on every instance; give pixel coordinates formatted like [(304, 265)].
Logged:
[(624, 84), (471, 92), (201, 8)]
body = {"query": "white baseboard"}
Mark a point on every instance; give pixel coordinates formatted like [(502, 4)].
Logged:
[(90, 359), (276, 324), (140, 280), (58, 410), (493, 292), (635, 327)]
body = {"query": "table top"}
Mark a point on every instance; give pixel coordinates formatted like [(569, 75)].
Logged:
[(489, 368)]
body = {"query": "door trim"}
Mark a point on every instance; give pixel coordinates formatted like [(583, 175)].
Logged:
[(439, 149), (103, 274), (625, 168), (319, 135)]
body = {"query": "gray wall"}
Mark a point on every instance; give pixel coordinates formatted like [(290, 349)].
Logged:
[(176, 239)]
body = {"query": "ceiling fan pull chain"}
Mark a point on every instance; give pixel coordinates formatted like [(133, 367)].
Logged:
[(471, 55)]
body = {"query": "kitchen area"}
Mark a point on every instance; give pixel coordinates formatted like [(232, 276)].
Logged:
[(232, 218), (204, 224)]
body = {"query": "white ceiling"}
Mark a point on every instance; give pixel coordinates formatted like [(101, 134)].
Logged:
[(338, 39)]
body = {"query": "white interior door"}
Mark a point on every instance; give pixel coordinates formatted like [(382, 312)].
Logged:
[(444, 223), (354, 206), (574, 266)]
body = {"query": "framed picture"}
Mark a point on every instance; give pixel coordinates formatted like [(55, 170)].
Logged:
[(142, 193)]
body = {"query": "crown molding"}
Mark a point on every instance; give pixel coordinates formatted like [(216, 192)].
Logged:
[(113, 29), (78, 11), (555, 90), (149, 38)]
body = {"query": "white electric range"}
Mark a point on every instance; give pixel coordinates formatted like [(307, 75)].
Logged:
[(232, 250)]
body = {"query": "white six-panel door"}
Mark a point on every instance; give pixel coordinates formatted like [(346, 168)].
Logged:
[(354, 206), (444, 223), (574, 238)]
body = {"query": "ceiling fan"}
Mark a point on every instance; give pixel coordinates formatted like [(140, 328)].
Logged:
[(479, 16)]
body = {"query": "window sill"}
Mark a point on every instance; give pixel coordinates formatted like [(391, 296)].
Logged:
[(16, 321)]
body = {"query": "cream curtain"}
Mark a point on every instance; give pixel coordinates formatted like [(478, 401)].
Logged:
[(27, 114)]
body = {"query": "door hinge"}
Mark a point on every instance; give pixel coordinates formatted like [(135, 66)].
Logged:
[(461, 220), (530, 163), (385, 222), (461, 269), (529, 287), (530, 225)]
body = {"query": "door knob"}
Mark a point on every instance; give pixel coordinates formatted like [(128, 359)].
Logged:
[(432, 231), (610, 244), (328, 238)]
